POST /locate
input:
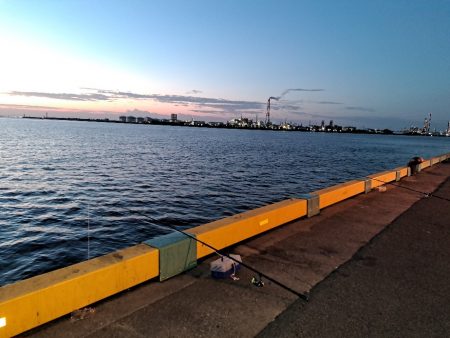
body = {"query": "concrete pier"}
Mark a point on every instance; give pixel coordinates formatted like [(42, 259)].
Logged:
[(395, 286), (376, 264)]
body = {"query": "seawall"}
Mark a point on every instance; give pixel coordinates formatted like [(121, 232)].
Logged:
[(35, 301)]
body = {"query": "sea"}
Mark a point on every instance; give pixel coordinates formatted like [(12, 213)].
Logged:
[(70, 190)]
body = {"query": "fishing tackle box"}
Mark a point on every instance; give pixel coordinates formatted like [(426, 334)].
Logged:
[(224, 267)]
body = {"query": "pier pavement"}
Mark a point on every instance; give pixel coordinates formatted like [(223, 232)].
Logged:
[(395, 286), (375, 265)]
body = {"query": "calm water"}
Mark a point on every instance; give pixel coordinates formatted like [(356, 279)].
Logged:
[(55, 176)]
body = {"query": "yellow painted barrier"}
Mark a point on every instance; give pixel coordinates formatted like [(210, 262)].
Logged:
[(340, 192), (34, 301), (425, 164), (401, 172), (382, 178), (234, 229), (435, 160)]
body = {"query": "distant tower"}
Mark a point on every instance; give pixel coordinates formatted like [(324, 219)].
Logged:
[(427, 125), (173, 117), (268, 112)]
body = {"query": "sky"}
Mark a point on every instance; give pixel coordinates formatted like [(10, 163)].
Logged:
[(378, 64)]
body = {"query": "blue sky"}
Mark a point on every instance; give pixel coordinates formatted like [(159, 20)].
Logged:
[(379, 63)]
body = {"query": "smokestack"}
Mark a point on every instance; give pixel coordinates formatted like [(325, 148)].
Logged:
[(268, 109), (276, 98)]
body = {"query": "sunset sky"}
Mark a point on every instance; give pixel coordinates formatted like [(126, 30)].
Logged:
[(379, 63)]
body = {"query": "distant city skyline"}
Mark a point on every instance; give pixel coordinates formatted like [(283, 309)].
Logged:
[(383, 64)]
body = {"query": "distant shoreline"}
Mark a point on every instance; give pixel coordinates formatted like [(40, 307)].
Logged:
[(222, 125)]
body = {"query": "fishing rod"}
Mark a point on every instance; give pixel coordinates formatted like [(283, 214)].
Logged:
[(303, 296), (426, 194)]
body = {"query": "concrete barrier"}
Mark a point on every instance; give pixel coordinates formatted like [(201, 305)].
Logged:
[(340, 192), (435, 160), (424, 164), (401, 172), (382, 178), (234, 229), (35, 301)]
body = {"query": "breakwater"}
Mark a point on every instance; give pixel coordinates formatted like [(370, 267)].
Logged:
[(32, 302)]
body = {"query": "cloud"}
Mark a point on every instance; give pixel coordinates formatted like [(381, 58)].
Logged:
[(110, 95), (285, 92), (364, 109), (64, 96), (198, 103), (207, 111), (194, 91), (215, 106), (24, 106), (286, 107), (313, 115), (194, 104), (327, 102)]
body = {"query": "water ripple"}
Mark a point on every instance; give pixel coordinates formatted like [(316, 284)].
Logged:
[(57, 178)]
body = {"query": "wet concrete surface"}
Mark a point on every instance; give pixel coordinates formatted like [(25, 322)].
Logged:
[(308, 255)]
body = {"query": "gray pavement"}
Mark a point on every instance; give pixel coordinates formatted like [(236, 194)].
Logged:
[(350, 294), (396, 286)]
